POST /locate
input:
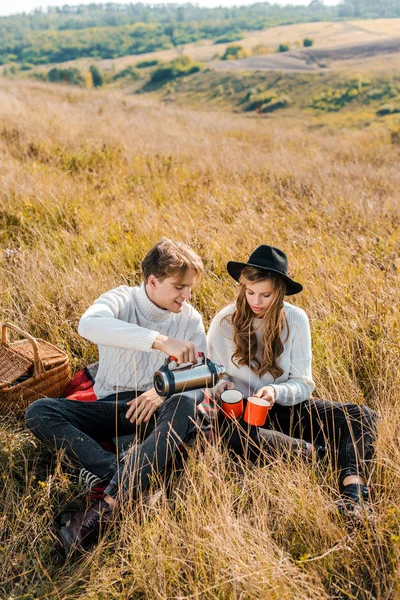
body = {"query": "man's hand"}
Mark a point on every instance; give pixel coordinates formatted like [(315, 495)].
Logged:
[(225, 385), (144, 406), (183, 351), (267, 392)]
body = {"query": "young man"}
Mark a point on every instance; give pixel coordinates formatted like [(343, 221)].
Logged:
[(134, 328)]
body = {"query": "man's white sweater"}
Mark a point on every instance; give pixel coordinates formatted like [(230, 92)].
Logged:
[(295, 384), (124, 323)]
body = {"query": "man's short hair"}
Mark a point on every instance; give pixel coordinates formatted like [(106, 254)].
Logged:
[(169, 259)]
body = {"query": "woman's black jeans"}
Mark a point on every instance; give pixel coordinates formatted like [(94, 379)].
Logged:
[(143, 449), (347, 430)]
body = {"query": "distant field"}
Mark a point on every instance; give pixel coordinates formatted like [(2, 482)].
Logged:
[(324, 35), (318, 59)]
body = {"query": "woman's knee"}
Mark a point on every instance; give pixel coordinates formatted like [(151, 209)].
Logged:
[(364, 417), (370, 417)]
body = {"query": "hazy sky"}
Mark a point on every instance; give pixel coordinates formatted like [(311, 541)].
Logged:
[(8, 7)]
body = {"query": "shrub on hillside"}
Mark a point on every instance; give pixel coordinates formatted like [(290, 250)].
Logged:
[(257, 99), (387, 109), (267, 101), (307, 42), (128, 72), (180, 67), (275, 104), (232, 36), (260, 49), (282, 48), (385, 91), (333, 99), (144, 64), (234, 52), (71, 76)]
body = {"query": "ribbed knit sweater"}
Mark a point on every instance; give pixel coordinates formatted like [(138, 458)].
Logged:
[(295, 384), (124, 323)]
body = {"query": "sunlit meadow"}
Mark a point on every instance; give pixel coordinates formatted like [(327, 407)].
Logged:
[(89, 181)]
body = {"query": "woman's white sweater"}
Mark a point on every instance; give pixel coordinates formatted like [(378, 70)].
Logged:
[(295, 384), (124, 323)]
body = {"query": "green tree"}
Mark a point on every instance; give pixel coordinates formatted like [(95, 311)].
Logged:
[(96, 76)]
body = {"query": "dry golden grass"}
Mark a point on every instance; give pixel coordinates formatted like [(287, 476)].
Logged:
[(89, 180)]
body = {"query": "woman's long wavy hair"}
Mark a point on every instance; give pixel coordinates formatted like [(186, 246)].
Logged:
[(272, 322)]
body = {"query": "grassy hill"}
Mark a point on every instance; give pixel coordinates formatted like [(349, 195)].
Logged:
[(89, 180), (349, 75)]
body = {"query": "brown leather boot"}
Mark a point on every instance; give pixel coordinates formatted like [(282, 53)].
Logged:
[(84, 528)]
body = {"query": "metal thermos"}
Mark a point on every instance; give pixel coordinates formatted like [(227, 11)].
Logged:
[(182, 379)]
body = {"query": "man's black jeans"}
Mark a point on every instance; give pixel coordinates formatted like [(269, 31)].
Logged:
[(78, 427), (347, 430)]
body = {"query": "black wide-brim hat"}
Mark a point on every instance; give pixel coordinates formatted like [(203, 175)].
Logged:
[(269, 259)]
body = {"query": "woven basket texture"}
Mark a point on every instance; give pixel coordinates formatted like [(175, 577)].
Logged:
[(49, 354), (45, 367), (11, 366)]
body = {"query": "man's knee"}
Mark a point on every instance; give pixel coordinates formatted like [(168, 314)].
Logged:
[(182, 404), (187, 404), (38, 411)]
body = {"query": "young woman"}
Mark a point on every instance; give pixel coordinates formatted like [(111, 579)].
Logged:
[(265, 345)]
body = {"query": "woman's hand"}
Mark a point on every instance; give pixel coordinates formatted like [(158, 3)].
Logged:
[(226, 385), (267, 392), (144, 406)]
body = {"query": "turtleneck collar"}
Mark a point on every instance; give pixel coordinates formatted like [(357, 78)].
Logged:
[(149, 310)]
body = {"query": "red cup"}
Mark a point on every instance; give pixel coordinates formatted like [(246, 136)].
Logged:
[(232, 403), (256, 410)]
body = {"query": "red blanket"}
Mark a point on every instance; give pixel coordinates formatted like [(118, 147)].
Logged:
[(81, 387)]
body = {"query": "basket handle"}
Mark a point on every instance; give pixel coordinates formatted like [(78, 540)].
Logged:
[(37, 363)]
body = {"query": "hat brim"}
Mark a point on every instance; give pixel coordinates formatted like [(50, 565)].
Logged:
[(235, 269)]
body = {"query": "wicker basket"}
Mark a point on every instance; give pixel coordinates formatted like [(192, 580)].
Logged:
[(44, 368)]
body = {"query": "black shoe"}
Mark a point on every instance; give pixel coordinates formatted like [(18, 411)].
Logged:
[(84, 528), (320, 451), (353, 503)]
